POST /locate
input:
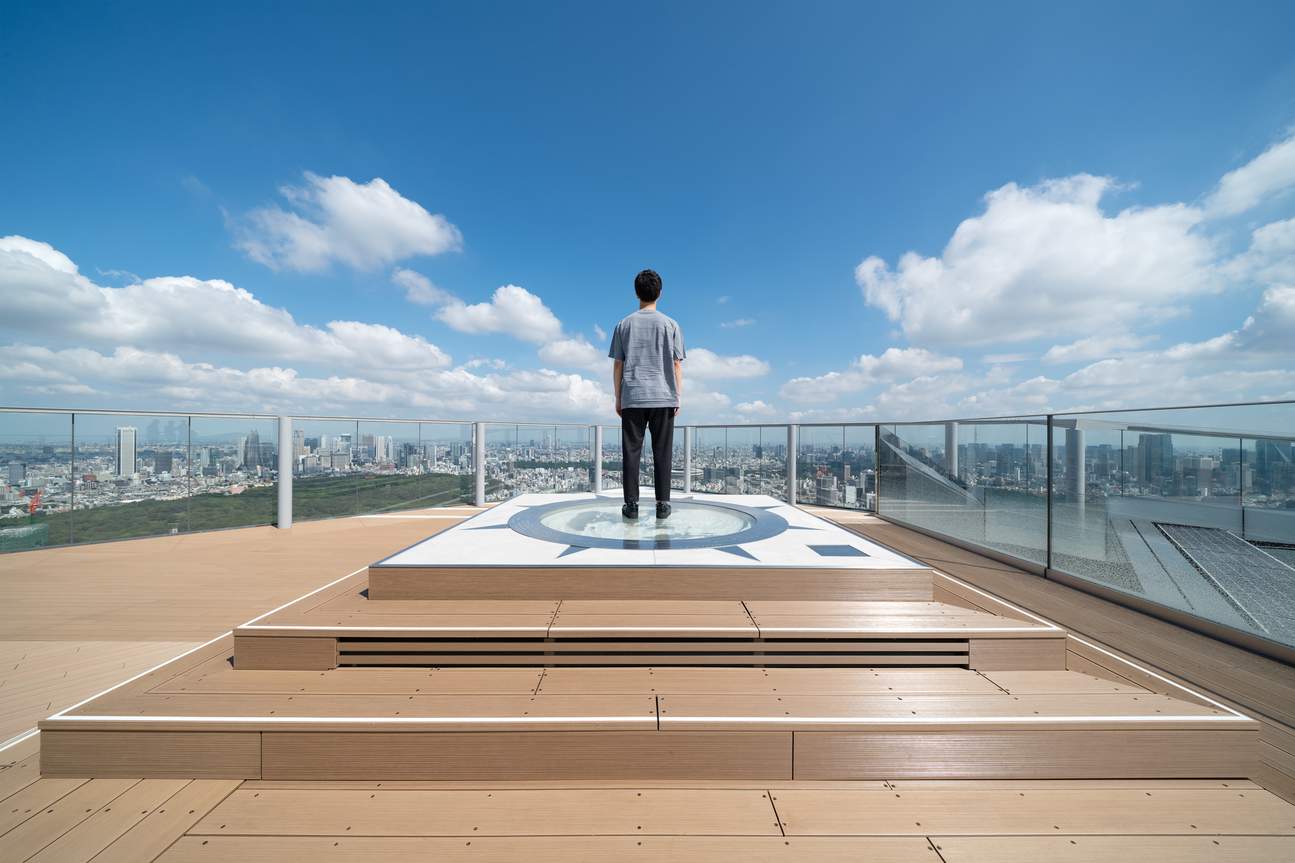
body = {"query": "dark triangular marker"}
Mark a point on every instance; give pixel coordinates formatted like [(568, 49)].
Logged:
[(801, 527), (737, 550), (572, 549), (490, 527)]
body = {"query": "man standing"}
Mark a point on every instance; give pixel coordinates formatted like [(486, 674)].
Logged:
[(648, 377)]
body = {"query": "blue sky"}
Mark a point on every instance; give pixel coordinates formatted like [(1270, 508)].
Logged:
[(1096, 200)]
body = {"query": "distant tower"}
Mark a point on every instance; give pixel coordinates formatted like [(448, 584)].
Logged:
[(251, 450), (126, 451)]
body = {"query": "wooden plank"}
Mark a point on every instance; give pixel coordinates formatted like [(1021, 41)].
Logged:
[(156, 754), (30, 799), (103, 827), (735, 645), (734, 624), (787, 681), (650, 606), (838, 608), (551, 849), (404, 625), (217, 676), (805, 626), (553, 755), (155, 832), (1077, 662), (867, 660), (267, 653), (933, 712), (1026, 754), (682, 583), (1114, 849), (1037, 682), (1109, 811), (19, 774), (52, 821), (1001, 654), (607, 811)]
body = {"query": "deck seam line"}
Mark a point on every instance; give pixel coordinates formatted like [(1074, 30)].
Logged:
[(185, 832), (87, 817), (768, 793)]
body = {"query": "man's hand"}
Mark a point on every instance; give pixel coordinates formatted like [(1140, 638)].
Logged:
[(676, 411), (618, 409)]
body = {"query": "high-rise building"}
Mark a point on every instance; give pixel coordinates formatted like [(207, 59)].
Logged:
[(1155, 457), (250, 457), (126, 451), (162, 461), (17, 472), (298, 445)]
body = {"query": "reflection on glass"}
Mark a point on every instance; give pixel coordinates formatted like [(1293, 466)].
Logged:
[(36, 489), (981, 482), (1188, 508)]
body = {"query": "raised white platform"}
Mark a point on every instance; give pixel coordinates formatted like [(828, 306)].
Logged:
[(806, 542)]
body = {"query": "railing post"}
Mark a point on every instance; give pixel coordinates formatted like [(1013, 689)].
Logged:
[(791, 463), (598, 459), (876, 468), (1047, 501), (687, 459), (479, 463), (951, 449), (284, 519)]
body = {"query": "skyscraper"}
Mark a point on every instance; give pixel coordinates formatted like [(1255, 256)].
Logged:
[(126, 450), (163, 461), (251, 454)]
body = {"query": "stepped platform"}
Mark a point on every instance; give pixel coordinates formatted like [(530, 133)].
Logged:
[(199, 716), (342, 627)]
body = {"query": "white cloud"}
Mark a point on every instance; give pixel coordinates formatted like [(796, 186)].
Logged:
[(574, 353), (755, 408), (1268, 175), (893, 365), (46, 294), (511, 310), (600, 333), (1094, 347), (737, 324), (419, 289), (336, 220), (1044, 261), (995, 359), (723, 300), (703, 364)]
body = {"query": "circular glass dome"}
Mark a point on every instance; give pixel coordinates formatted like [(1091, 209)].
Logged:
[(598, 523)]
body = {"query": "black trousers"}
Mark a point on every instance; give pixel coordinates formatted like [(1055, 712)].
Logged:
[(660, 422)]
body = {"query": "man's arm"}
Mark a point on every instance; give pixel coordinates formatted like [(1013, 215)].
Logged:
[(618, 370), (678, 383)]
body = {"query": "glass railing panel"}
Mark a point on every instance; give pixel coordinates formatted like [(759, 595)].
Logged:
[(388, 468), (742, 458), (36, 480), (981, 482), (711, 471), (442, 463), (572, 458), (859, 467), (324, 468), (1187, 508), (612, 474), (127, 481), (677, 465), (820, 465), (503, 478), (232, 464)]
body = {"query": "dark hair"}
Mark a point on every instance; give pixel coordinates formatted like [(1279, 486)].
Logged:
[(647, 285)]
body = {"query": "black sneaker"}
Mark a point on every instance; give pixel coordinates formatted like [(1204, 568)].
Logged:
[(630, 510), (662, 510)]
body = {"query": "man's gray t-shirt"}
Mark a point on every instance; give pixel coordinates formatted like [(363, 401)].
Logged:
[(649, 343)]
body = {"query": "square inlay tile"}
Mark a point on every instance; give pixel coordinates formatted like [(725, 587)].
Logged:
[(839, 551)]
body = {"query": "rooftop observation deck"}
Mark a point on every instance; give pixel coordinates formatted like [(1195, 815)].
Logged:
[(1085, 731)]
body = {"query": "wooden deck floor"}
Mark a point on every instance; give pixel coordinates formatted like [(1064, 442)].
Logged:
[(889, 819), (178, 821), (74, 621)]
